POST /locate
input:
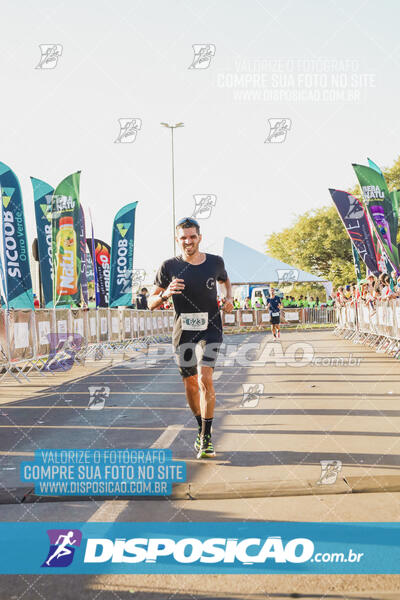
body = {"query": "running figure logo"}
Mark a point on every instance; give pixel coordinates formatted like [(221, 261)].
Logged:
[(138, 275), (251, 394), (330, 469), (287, 275), (203, 205), (203, 54), (128, 129), (278, 129), (62, 547), (50, 53), (98, 397)]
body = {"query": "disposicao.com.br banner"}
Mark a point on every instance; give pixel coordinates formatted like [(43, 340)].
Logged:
[(200, 548)]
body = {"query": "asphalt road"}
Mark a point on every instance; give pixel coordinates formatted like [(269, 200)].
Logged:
[(315, 398)]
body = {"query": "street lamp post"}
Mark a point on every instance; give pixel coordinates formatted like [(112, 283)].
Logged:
[(172, 127)]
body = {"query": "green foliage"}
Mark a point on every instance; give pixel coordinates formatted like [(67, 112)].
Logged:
[(318, 243), (392, 175)]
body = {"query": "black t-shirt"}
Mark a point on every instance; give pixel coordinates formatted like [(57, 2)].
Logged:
[(199, 295), (141, 302), (273, 303)]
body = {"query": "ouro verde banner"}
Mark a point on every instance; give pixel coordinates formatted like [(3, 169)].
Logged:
[(380, 208), (43, 194), (66, 230), (122, 256), (18, 279)]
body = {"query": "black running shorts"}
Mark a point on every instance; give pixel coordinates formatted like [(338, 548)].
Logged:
[(190, 355)]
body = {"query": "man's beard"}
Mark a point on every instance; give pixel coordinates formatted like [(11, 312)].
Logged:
[(192, 250)]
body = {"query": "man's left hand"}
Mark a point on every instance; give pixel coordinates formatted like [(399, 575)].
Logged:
[(228, 305)]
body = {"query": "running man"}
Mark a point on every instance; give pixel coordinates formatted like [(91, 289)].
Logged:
[(274, 304), (62, 550), (191, 281)]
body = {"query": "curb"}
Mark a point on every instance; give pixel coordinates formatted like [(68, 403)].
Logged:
[(232, 491)]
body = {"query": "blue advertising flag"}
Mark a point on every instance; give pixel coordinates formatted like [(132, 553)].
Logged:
[(16, 253), (121, 269), (42, 195), (354, 218)]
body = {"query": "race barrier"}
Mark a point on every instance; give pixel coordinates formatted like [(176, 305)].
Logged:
[(377, 325), (47, 340)]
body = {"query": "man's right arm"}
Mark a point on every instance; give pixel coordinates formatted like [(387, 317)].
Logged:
[(157, 298)]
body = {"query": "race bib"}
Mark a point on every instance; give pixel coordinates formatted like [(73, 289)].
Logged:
[(274, 314), (194, 321)]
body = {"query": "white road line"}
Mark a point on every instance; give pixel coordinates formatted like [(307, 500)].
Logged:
[(110, 510)]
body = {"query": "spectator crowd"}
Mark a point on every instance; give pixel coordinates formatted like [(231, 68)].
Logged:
[(368, 291)]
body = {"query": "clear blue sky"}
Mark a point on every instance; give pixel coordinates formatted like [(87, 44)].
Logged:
[(125, 58)]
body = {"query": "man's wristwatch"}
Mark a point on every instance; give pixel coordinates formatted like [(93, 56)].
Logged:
[(163, 298)]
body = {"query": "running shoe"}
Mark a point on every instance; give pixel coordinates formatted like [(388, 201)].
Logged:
[(206, 448), (197, 442)]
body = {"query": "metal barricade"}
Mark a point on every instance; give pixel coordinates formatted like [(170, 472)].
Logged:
[(114, 320), (92, 330), (20, 331), (142, 323), (229, 321), (246, 318), (103, 325), (3, 342), (291, 315), (43, 318), (262, 317), (126, 324)]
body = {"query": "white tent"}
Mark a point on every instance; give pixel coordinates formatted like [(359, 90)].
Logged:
[(246, 265)]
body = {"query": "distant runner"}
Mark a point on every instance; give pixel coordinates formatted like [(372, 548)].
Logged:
[(191, 281), (274, 304)]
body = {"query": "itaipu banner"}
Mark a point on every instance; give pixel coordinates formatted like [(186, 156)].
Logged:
[(355, 220), (101, 261), (66, 231), (43, 194), (18, 279), (380, 208), (122, 256)]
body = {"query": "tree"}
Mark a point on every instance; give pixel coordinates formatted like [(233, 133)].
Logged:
[(317, 242)]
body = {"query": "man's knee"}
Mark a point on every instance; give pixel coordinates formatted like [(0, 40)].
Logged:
[(206, 380)]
